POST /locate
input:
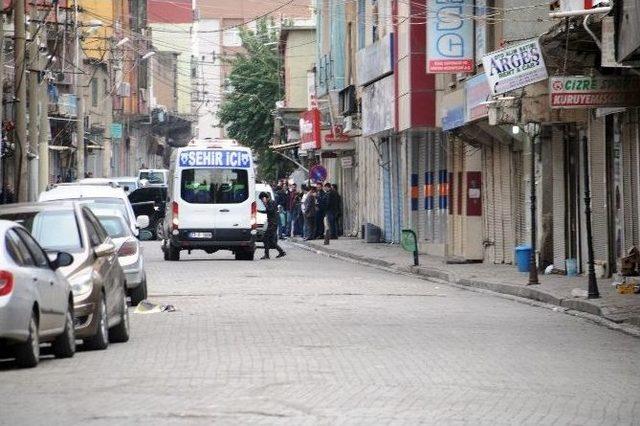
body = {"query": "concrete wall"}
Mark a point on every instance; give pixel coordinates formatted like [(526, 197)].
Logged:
[(298, 59), (209, 79)]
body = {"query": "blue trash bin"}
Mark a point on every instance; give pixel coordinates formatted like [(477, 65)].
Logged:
[(523, 258)]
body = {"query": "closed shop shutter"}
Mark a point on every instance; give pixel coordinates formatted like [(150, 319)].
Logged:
[(599, 217), (422, 167), (488, 205), (518, 196), (507, 204), (386, 190), (442, 188), (559, 197), (630, 180)]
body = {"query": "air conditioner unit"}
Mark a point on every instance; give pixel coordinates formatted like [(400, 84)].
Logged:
[(124, 90), (347, 124)]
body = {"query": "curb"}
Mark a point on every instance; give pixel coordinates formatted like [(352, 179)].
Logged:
[(531, 295)]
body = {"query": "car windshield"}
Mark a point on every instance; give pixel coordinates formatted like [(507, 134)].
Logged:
[(98, 205), (114, 225), (54, 230), (152, 177), (214, 186)]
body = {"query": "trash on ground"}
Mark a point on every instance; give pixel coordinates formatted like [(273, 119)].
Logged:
[(146, 307), (578, 292)]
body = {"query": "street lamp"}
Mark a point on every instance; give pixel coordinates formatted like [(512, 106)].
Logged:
[(533, 131), (593, 292)]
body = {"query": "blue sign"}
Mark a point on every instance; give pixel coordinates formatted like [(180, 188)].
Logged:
[(450, 36), (116, 130), (215, 158), (453, 118), (318, 173)]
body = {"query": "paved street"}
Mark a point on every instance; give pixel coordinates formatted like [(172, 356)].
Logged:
[(309, 339)]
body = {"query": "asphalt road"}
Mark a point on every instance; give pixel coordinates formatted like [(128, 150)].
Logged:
[(313, 340)]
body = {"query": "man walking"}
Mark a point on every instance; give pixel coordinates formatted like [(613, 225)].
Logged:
[(270, 237)]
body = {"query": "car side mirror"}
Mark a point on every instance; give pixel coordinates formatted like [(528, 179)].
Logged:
[(104, 250), (142, 221), (145, 235), (61, 260)]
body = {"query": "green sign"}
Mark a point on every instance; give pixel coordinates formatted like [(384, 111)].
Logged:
[(409, 242)]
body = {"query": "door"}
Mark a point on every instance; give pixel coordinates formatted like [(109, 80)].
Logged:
[(33, 276), (48, 282)]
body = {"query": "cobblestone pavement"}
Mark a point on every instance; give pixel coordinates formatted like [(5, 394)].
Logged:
[(313, 340)]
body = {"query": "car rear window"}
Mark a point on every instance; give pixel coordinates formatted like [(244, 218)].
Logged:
[(214, 186), (114, 226), (54, 230), (152, 177)]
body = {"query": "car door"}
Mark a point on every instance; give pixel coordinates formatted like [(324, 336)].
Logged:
[(35, 277), (101, 265), (109, 266), (48, 280)]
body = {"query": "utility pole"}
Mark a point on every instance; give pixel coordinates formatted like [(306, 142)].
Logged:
[(33, 60), (43, 135), (79, 91), (20, 98), (2, 165)]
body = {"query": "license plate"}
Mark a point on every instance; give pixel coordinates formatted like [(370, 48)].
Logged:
[(200, 235)]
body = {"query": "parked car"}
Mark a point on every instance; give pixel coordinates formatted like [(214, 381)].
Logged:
[(154, 176), (96, 278), (109, 196), (150, 201), (36, 303), (129, 252), (128, 184), (261, 216)]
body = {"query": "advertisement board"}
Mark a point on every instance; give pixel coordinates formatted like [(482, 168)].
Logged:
[(594, 92), (453, 110), (378, 112), (375, 60), (310, 129), (450, 40), (514, 67), (477, 92)]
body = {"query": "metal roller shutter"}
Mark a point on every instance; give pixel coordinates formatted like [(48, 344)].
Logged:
[(386, 190), (508, 228), (422, 167), (599, 217), (559, 197)]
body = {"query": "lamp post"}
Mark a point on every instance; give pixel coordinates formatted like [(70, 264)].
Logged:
[(533, 131), (593, 292)]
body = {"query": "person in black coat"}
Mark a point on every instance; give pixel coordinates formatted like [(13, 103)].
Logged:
[(270, 237)]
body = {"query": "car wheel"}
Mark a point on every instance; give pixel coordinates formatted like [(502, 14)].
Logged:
[(174, 253), (139, 293), (245, 254), (100, 340), (28, 352), (65, 344), (120, 333), (159, 229)]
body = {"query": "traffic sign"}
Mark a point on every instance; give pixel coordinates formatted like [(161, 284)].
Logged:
[(318, 173)]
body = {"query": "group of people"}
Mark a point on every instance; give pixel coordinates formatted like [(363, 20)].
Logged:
[(309, 211)]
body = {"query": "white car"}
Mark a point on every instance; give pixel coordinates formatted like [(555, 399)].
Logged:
[(129, 252), (108, 196), (154, 176), (261, 215), (128, 184)]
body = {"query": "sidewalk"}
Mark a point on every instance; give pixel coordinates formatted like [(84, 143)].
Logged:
[(553, 289)]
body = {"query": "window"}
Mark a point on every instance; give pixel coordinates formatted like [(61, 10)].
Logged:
[(153, 177), (94, 92), (115, 226), (214, 186), (53, 230), (102, 233), (94, 238), (23, 257), (38, 255)]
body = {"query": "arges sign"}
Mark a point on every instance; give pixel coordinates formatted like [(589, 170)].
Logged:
[(594, 92), (514, 67), (450, 36), (310, 129)]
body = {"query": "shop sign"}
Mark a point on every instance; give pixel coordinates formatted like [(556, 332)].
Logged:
[(453, 110), (116, 130), (312, 99), (378, 112), (514, 67), (346, 162), (375, 60), (594, 92), (310, 129), (477, 92), (450, 36), (337, 135)]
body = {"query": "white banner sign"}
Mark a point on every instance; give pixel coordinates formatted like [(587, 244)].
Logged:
[(450, 36), (514, 67)]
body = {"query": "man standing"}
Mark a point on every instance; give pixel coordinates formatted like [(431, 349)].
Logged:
[(332, 210), (339, 223), (322, 211), (281, 202), (270, 237), (291, 207), (310, 209)]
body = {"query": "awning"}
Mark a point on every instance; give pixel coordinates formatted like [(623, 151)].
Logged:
[(288, 145)]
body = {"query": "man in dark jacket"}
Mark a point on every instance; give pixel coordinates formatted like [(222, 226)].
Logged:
[(333, 209), (270, 237)]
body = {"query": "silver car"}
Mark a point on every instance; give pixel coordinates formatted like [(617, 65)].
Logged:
[(36, 302), (96, 278), (128, 249)]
